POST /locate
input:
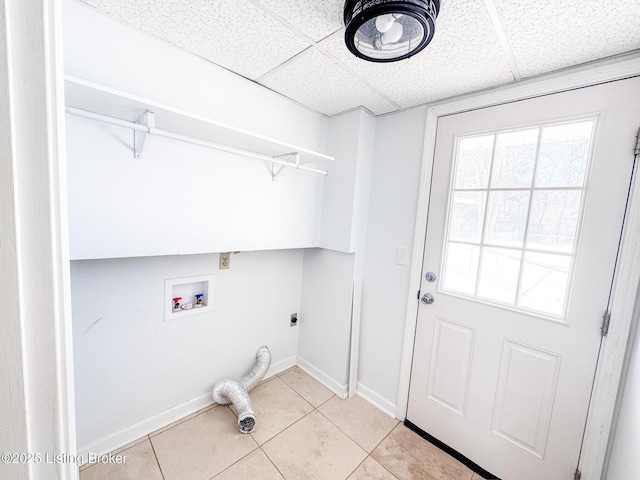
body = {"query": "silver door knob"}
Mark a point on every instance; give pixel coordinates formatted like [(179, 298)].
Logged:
[(427, 299)]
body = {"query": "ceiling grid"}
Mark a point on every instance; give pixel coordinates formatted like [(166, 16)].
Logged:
[(296, 47)]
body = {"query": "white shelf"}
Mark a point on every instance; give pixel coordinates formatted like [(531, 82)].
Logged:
[(92, 97)]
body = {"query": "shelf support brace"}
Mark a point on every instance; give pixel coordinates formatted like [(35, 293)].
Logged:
[(276, 171), (284, 161), (148, 119)]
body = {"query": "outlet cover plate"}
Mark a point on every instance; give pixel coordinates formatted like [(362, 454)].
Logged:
[(223, 263)]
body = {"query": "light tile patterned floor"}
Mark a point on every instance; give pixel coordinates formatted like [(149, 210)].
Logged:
[(303, 431)]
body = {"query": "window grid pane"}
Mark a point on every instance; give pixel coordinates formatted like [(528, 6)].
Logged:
[(514, 213)]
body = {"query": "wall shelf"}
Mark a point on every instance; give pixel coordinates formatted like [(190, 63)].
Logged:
[(102, 103)]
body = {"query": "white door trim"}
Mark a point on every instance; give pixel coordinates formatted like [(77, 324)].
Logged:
[(37, 397), (626, 282)]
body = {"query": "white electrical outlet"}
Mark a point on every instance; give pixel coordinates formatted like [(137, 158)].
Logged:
[(402, 256)]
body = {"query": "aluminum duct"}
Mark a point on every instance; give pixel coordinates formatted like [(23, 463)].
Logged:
[(227, 391)]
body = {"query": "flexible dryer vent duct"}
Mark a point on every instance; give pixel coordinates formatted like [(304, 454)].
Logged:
[(227, 391)]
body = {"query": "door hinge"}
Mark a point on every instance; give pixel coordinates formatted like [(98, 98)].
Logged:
[(418, 296), (577, 475), (606, 320), (636, 150)]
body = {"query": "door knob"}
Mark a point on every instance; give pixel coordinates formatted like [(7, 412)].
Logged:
[(427, 299)]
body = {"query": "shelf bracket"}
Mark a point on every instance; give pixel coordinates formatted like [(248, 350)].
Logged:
[(276, 170), (284, 161), (148, 119)]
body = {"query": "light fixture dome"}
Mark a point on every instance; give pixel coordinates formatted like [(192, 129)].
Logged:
[(388, 30)]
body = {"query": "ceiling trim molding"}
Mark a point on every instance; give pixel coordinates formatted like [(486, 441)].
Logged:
[(600, 71)]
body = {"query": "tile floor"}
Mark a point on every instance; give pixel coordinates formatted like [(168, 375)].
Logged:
[(303, 431)]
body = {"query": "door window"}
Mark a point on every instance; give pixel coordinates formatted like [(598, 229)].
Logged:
[(514, 214)]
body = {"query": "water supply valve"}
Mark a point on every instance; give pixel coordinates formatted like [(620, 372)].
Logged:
[(199, 299), (176, 303)]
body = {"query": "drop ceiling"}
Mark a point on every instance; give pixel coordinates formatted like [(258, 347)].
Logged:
[(296, 47)]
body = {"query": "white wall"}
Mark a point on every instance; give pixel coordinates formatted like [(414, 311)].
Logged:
[(392, 213), (346, 191), (374, 191), (180, 198), (102, 50), (131, 364), (325, 316), (134, 371), (327, 325)]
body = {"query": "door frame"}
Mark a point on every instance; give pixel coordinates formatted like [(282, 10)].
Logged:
[(626, 281), (36, 346)]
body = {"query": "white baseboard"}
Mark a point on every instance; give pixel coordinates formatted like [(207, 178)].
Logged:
[(376, 400), (337, 388), (281, 366), (134, 432), (150, 425)]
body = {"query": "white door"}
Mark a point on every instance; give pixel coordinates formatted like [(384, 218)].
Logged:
[(527, 202)]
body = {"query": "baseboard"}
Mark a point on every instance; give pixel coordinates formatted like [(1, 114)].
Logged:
[(376, 400), (281, 366), (134, 432), (336, 387)]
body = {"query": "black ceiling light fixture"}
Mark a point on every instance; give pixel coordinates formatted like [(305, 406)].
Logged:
[(388, 30)]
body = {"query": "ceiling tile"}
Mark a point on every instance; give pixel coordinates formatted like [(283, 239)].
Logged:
[(315, 80), (465, 55), (546, 35), (315, 18), (235, 34)]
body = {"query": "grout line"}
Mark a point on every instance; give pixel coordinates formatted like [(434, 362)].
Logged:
[(353, 439), (368, 454), (238, 460), (120, 451), (181, 420), (345, 433), (302, 397), (329, 399), (271, 461), (380, 443), (357, 466), (385, 437), (156, 457), (283, 430)]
